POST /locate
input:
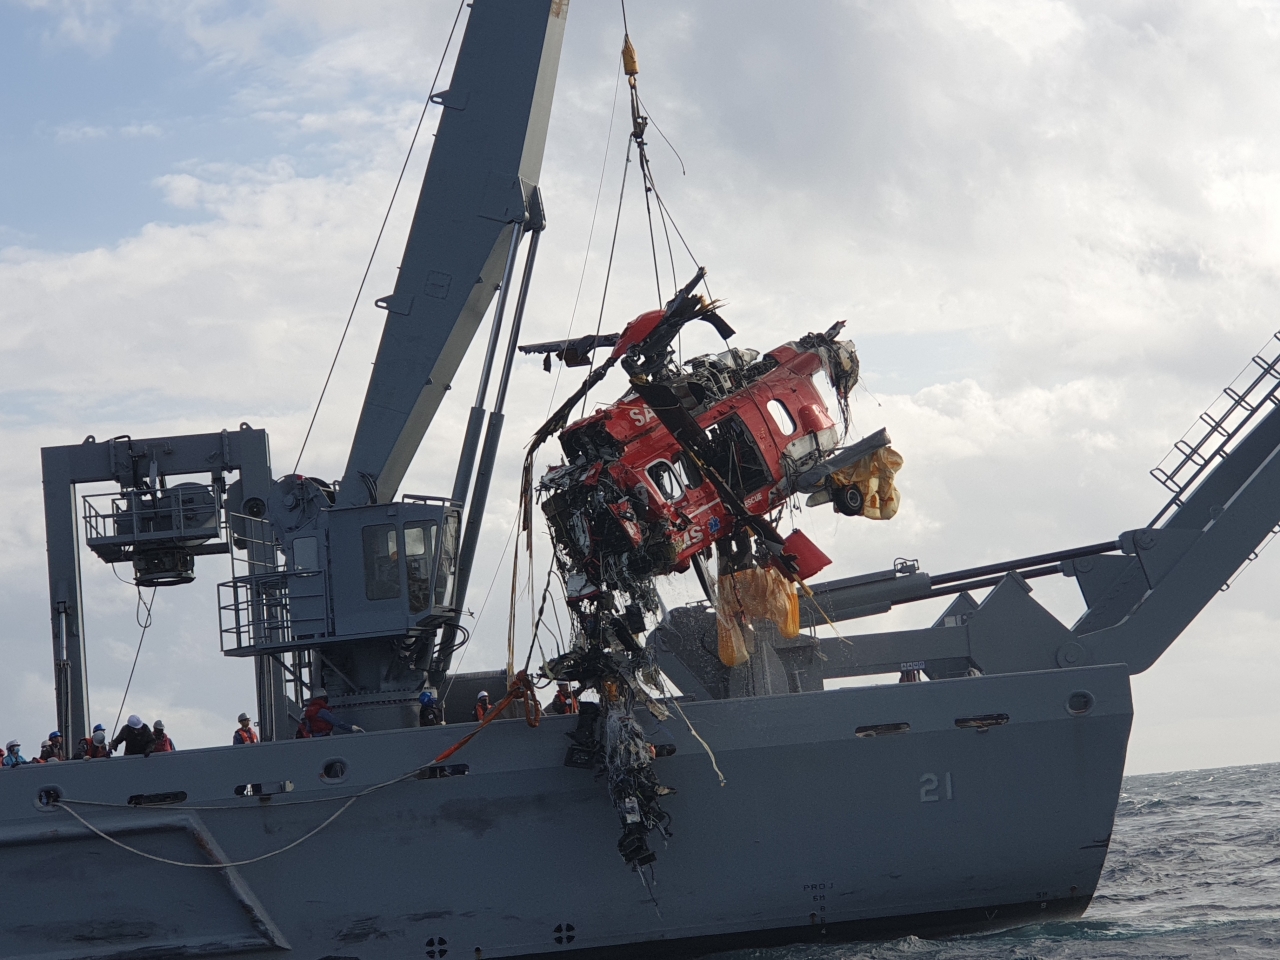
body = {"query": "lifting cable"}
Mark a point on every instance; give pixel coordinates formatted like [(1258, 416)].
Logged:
[(144, 624), (595, 210), (386, 216)]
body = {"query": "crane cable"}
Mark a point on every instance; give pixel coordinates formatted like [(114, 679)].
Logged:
[(385, 217), (144, 624)]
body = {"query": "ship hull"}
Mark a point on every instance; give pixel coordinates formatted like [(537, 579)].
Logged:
[(818, 833)]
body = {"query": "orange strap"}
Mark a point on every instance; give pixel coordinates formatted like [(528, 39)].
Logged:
[(521, 687)]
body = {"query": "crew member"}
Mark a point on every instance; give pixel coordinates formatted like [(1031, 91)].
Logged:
[(93, 746), (318, 720), (12, 755), (136, 737), (564, 701), (430, 714), (482, 704), (55, 741), (244, 733), (163, 743)]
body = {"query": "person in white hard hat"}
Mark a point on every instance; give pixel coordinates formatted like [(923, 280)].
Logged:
[(318, 720), (93, 747), (136, 737), (163, 743), (244, 733), (12, 755), (482, 704)]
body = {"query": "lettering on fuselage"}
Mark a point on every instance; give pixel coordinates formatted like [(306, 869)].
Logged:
[(642, 415)]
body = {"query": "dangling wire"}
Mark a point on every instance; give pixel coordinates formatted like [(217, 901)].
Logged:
[(144, 623), (591, 232), (608, 271)]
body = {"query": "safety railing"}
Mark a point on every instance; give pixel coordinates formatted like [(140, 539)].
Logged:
[(184, 513), (1214, 435)]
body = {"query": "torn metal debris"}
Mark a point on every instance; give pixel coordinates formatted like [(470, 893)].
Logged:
[(695, 457)]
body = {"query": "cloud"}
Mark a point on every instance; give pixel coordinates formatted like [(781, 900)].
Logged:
[(1051, 227)]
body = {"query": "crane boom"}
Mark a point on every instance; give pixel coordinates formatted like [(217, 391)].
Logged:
[(476, 192)]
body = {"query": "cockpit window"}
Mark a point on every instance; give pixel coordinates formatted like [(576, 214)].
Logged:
[(736, 457), (664, 477), (688, 471), (782, 417)]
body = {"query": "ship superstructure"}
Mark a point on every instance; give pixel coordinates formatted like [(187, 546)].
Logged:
[(980, 799)]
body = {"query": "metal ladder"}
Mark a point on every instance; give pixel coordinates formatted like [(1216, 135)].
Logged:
[(1213, 436)]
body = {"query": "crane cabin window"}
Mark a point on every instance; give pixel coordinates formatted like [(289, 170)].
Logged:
[(306, 555), (381, 562), (419, 558), (448, 561)]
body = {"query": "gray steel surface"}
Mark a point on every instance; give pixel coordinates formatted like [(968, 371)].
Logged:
[(818, 833), (484, 165)]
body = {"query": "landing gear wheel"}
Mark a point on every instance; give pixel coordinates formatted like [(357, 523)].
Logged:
[(847, 500)]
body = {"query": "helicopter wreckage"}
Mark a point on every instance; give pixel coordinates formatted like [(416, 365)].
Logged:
[(696, 459)]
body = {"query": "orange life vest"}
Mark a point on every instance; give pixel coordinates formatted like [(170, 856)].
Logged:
[(565, 704), (245, 734), (313, 725), (481, 711)]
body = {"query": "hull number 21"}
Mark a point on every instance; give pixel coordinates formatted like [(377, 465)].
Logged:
[(929, 788)]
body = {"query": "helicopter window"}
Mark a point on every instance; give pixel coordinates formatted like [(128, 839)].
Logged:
[(419, 554), (735, 456), (664, 477), (688, 471), (782, 417), (381, 562)]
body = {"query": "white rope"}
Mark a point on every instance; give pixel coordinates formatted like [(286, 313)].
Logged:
[(212, 866), (715, 766), (64, 804)]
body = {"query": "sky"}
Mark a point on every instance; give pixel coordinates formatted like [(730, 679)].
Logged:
[(1053, 229)]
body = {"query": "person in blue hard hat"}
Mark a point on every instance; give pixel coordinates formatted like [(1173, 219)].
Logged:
[(55, 750), (430, 714), (13, 754)]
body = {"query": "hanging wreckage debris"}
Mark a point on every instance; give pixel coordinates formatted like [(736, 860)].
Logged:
[(694, 457)]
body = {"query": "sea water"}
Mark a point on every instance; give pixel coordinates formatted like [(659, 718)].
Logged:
[(1193, 872)]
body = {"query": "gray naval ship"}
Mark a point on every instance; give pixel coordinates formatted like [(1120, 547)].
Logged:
[(981, 799)]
